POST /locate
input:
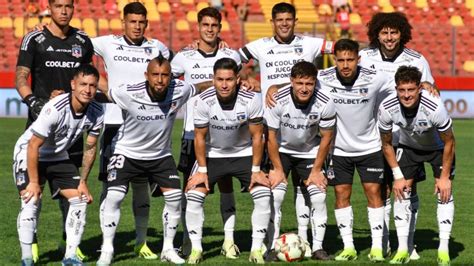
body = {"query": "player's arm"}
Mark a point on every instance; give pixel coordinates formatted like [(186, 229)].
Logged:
[(90, 149), (103, 86), (202, 86), (21, 78), (270, 101), (443, 184), (33, 189), (399, 182), (316, 177), (200, 177), (277, 174), (256, 133)]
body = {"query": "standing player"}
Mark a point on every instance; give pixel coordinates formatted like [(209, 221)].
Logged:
[(142, 147), (51, 56), (355, 91), (228, 142), (41, 154), (126, 58), (196, 66), (389, 34), (276, 55), (426, 135), (300, 131)]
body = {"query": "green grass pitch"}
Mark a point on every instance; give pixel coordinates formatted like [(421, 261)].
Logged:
[(461, 245)]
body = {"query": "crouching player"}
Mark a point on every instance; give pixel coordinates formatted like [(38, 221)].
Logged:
[(426, 136), (41, 154)]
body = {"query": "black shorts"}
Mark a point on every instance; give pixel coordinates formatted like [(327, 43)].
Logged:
[(60, 175), (239, 167), (76, 151), (187, 157), (388, 175), (412, 160), (161, 172), (300, 168), (370, 168), (108, 135)]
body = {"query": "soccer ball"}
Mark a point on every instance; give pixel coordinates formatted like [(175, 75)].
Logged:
[(290, 247)]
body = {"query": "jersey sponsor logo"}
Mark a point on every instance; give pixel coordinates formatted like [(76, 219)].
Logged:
[(297, 126), (50, 49), (196, 66), (376, 170), (131, 59), (76, 51), (173, 177), (350, 101), (151, 117), (218, 127), (62, 64), (202, 76)]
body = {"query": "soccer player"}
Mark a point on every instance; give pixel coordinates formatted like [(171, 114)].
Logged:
[(51, 56), (196, 65), (40, 155), (142, 147), (389, 33), (126, 58), (276, 55), (228, 142), (426, 135), (300, 131), (355, 91)]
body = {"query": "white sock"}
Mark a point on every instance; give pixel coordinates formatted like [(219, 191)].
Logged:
[(195, 217), (228, 214), (26, 226), (75, 223), (415, 206), (302, 214), (260, 215), (345, 219), (387, 208), (278, 194), (319, 216), (110, 215), (376, 220), (402, 217), (171, 216), (445, 215)]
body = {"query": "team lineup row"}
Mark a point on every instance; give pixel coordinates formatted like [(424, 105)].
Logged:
[(223, 130)]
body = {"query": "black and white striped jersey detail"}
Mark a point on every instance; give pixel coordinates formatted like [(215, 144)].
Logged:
[(428, 103)]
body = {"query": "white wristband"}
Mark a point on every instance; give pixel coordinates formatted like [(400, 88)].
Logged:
[(255, 168), (202, 169), (397, 173)]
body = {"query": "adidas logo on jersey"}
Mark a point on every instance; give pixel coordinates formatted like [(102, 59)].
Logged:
[(196, 66), (214, 118), (334, 90), (372, 66), (142, 107), (287, 115), (120, 48), (271, 52), (50, 49)]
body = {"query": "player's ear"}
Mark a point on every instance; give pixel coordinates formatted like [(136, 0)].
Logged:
[(73, 84), (358, 59), (238, 78), (146, 23)]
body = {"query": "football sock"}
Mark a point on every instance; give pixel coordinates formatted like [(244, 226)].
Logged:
[(171, 216), (319, 216), (260, 215), (402, 217), (302, 214), (184, 203), (110, 212), (344, 219), (64, 207), (415, 206), (75, 223), (376, 221), (141, 210), (228, 214), (386, 226), (26, 226), (195, 217), (445, 215), (278, 196)]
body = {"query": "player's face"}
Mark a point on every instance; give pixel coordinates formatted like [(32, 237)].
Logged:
[(84, 88), (408, 94), (209, 29), (284, 26), (346, 63), (134, 26), (303, 88), (225, 81), (158, 77), (389, 39), (61, 12)]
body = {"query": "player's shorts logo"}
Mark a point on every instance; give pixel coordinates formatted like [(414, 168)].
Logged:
[(76, 51), (20, 179), (112, 175)]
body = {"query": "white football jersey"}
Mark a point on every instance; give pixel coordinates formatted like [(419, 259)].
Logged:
[(125, 63), (356, 109), (197, 66), (298, 126), (146, 131), (276, 59), (419, 132), (60, 127), (228, 134)]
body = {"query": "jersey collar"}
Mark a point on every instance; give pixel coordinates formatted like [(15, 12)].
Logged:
[(399, 52), (351, 83), (147, 85), (290, 41), (134, 44), (70, 32), (206, 55)]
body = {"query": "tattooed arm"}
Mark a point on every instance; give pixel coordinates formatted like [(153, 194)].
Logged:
[(21, 78), (87, 164)]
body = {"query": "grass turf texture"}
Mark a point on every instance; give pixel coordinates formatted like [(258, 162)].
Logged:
[(461, 245)]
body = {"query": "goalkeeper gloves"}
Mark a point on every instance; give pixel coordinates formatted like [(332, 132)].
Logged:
[(35, 104)]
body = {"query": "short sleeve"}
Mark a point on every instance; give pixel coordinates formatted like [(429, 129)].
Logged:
[(256, 108), (200, 113), (250, 51), (164, 50), (89, 51), (48, 118), (426, 71), (441, 119), (328, 115), (384, 121), (272, 117), (95, 129), (98, 44), (177, 65), (119, 96), (27, 51)]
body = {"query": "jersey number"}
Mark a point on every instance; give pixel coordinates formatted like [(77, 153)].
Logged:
[(116, 162), (399, 154)]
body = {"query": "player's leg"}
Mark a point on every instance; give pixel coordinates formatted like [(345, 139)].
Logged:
[(141, 214), (342, 182), (370, 168), (386, 197), (415, 207), (227, 206), (302, 207)]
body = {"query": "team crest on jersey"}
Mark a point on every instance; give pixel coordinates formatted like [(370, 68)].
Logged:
[(20, 179), (76, 51), (242, 117), (148, 50), (112, 175), (364, 91), (313, 116), (298, 50)]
